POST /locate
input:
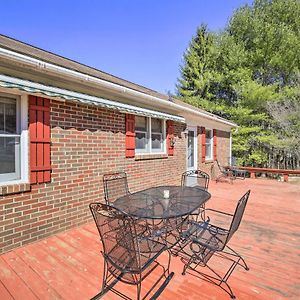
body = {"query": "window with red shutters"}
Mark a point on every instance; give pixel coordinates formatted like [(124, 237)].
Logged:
[(39, 132), (130, 135), (170, 137), (203, 141), (215, 143)]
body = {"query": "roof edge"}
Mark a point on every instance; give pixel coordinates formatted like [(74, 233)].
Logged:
[(65, 71)]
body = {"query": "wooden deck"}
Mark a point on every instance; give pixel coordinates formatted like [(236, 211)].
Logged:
[(69, 266)]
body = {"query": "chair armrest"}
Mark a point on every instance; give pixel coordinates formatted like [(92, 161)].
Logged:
[(205, 245), (219, 212), (205, 212)]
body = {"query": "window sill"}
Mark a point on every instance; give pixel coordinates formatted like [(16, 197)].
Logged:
[(209, 161), (150, 156), (14, 188)]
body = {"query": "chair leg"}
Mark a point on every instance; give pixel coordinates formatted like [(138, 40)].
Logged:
[(187, 265), (212, 276), (169, 262), (221, 176), (218, 280), (221, 280), (244, 265), (105, 273), (139, 287)]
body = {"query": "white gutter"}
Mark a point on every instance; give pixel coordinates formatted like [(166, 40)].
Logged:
[(50, 91), (21, 58)]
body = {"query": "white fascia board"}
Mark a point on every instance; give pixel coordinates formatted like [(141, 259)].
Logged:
[(58, 70), (33, 87)]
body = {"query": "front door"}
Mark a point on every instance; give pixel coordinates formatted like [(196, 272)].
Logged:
[(192, 152)]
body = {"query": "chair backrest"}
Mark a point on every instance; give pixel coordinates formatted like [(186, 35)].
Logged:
[(233, 161), (195, 178), (221, 168), (119, 238), (115, 185), (238, 214)]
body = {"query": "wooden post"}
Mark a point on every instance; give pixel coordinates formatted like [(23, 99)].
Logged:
[(252, 175), (285, 177)]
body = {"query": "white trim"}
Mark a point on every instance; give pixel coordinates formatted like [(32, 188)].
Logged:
[(42, 65), (53, 92), (149, 149), (211, 145), (195, 130), (230, 149), (16, 175), (22, 128), (13, 182), (24, 139)]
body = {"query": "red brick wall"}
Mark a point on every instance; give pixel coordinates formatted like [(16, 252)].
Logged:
[(223, 148), (86, 142)]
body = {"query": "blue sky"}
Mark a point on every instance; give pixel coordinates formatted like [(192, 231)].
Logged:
[(139, 40)]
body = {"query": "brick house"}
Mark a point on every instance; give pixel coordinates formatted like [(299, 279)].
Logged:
[(63, 125)]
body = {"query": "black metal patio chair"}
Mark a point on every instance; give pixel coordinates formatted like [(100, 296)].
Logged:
[(237, 173), (225, 173), (204, 240), (128, 257), (195, 178), (115, 185)]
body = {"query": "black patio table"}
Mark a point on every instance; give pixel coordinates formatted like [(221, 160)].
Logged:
[(164, 209), (162, 202)]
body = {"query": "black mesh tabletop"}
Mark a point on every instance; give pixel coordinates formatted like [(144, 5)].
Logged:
[(153, 203)]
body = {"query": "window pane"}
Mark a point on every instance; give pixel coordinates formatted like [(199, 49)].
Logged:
[(140, 141), (8, 116), (9, 155), (2, 117), (156, 125), (156, 141), (140, 123), (208, 151), (208, 136), (191, 150)]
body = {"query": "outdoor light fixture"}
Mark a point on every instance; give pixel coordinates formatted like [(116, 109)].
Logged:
[(185, 132)]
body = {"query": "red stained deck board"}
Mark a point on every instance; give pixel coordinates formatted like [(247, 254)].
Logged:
[(78, 257), (39, 287), (63, 279), (74, 265), (13, 283), (4, 293), (71, 266)]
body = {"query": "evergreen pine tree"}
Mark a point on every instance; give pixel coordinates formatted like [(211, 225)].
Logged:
[(247, 72)]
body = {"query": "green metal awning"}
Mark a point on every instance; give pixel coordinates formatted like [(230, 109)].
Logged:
[(38, 88)]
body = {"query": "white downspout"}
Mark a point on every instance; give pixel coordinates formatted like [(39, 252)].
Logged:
[(230, 149)]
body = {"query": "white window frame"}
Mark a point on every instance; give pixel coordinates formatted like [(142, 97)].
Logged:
[(149, 132), (22, 132), (210, 156), (194, 129)]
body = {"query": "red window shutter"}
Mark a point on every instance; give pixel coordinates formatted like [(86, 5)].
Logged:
[(170, 137), (39, 132), (203, 139), (215, 143), (130, 135)]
